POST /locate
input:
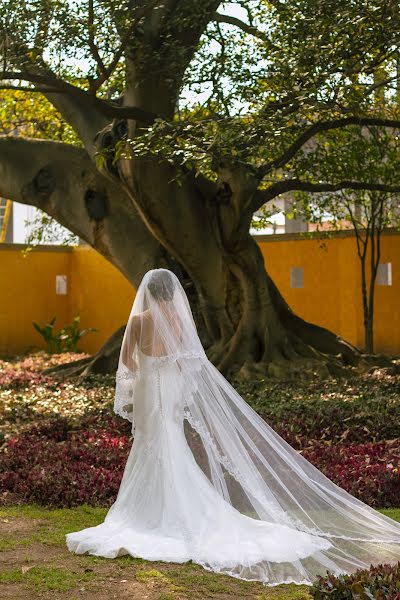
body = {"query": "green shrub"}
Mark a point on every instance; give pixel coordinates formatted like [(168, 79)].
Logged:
[(65, 340), (361, 410), (378, 583)]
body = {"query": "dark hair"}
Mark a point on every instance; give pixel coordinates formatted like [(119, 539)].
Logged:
[(161, 286)]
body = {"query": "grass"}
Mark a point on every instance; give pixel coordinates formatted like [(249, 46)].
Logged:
[(393, 513), (43, 530), (43, 579), (55, 523), (53, 526), (145, 576)]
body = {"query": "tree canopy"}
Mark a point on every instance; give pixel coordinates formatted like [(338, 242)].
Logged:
[(247, 92)]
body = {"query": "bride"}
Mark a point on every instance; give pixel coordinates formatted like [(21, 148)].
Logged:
[(207, 479)]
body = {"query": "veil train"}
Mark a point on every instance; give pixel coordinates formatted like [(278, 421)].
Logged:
[(227, 491)]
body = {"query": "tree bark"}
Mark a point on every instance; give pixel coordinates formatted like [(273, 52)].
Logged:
[(244, 322), (61, 180)]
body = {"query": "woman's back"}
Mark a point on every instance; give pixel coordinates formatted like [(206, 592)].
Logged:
[(149, 335)]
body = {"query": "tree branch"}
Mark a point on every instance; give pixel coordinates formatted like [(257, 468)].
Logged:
[(319, 127), (78, 107), (25, 88), (91, 40), (51, 84), (56, 85), (126, 112), (59, 178), (290, 185), (250, 29), (41, 78), (35, 171), (108, 70)]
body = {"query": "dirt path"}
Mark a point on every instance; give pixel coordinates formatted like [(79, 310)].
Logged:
[(35, 563)]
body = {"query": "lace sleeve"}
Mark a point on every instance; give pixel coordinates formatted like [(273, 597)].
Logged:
[(124, 394), (126, 374)]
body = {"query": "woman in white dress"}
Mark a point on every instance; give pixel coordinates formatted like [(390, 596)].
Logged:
[(207, 479)]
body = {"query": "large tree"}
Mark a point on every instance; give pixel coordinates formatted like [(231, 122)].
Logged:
[(189, 116)]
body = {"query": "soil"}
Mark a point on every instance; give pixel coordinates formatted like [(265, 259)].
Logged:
[(120, 578)]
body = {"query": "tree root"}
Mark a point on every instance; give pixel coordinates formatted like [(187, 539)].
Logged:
[(103, 362), (294, 360)]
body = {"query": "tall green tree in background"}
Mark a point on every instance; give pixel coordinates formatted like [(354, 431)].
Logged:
[(367, 212), (188, 117)]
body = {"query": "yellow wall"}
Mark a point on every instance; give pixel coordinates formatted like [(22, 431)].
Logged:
[(331, 295), (387, 301), (100, 294), (27, 293), (96, 290)]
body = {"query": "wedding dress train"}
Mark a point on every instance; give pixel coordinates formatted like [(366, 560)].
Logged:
[(207, 480)]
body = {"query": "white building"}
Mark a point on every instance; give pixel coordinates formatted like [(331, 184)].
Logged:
[(16, 224)]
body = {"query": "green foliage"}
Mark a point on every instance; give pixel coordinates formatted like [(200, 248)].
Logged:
[(60, 31), (243, 92), (378, 583), (32, 115), (357, 154), (65, 340), (362, 409), (255, 95)]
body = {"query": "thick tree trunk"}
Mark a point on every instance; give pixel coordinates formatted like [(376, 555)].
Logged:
[(256, 334), (265, 336), (244, 323)]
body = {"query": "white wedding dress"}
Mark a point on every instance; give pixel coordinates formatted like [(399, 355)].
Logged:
[(207, 480)]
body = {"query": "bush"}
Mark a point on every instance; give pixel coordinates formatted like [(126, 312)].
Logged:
[(65, 340), (64, 461), (361, 410), (35, 398), (370, 472), (60, 428), (66, 468), (337, 425), (378, 583)]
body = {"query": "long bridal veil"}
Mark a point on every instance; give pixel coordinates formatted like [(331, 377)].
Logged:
[(250, 466)]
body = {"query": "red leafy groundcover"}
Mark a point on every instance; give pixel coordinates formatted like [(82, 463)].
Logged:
[(19, 379), (86, 467), (56, 465), (371, 472), (381, 582)]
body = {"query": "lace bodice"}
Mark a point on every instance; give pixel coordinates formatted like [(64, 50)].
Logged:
[(148, 362)]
